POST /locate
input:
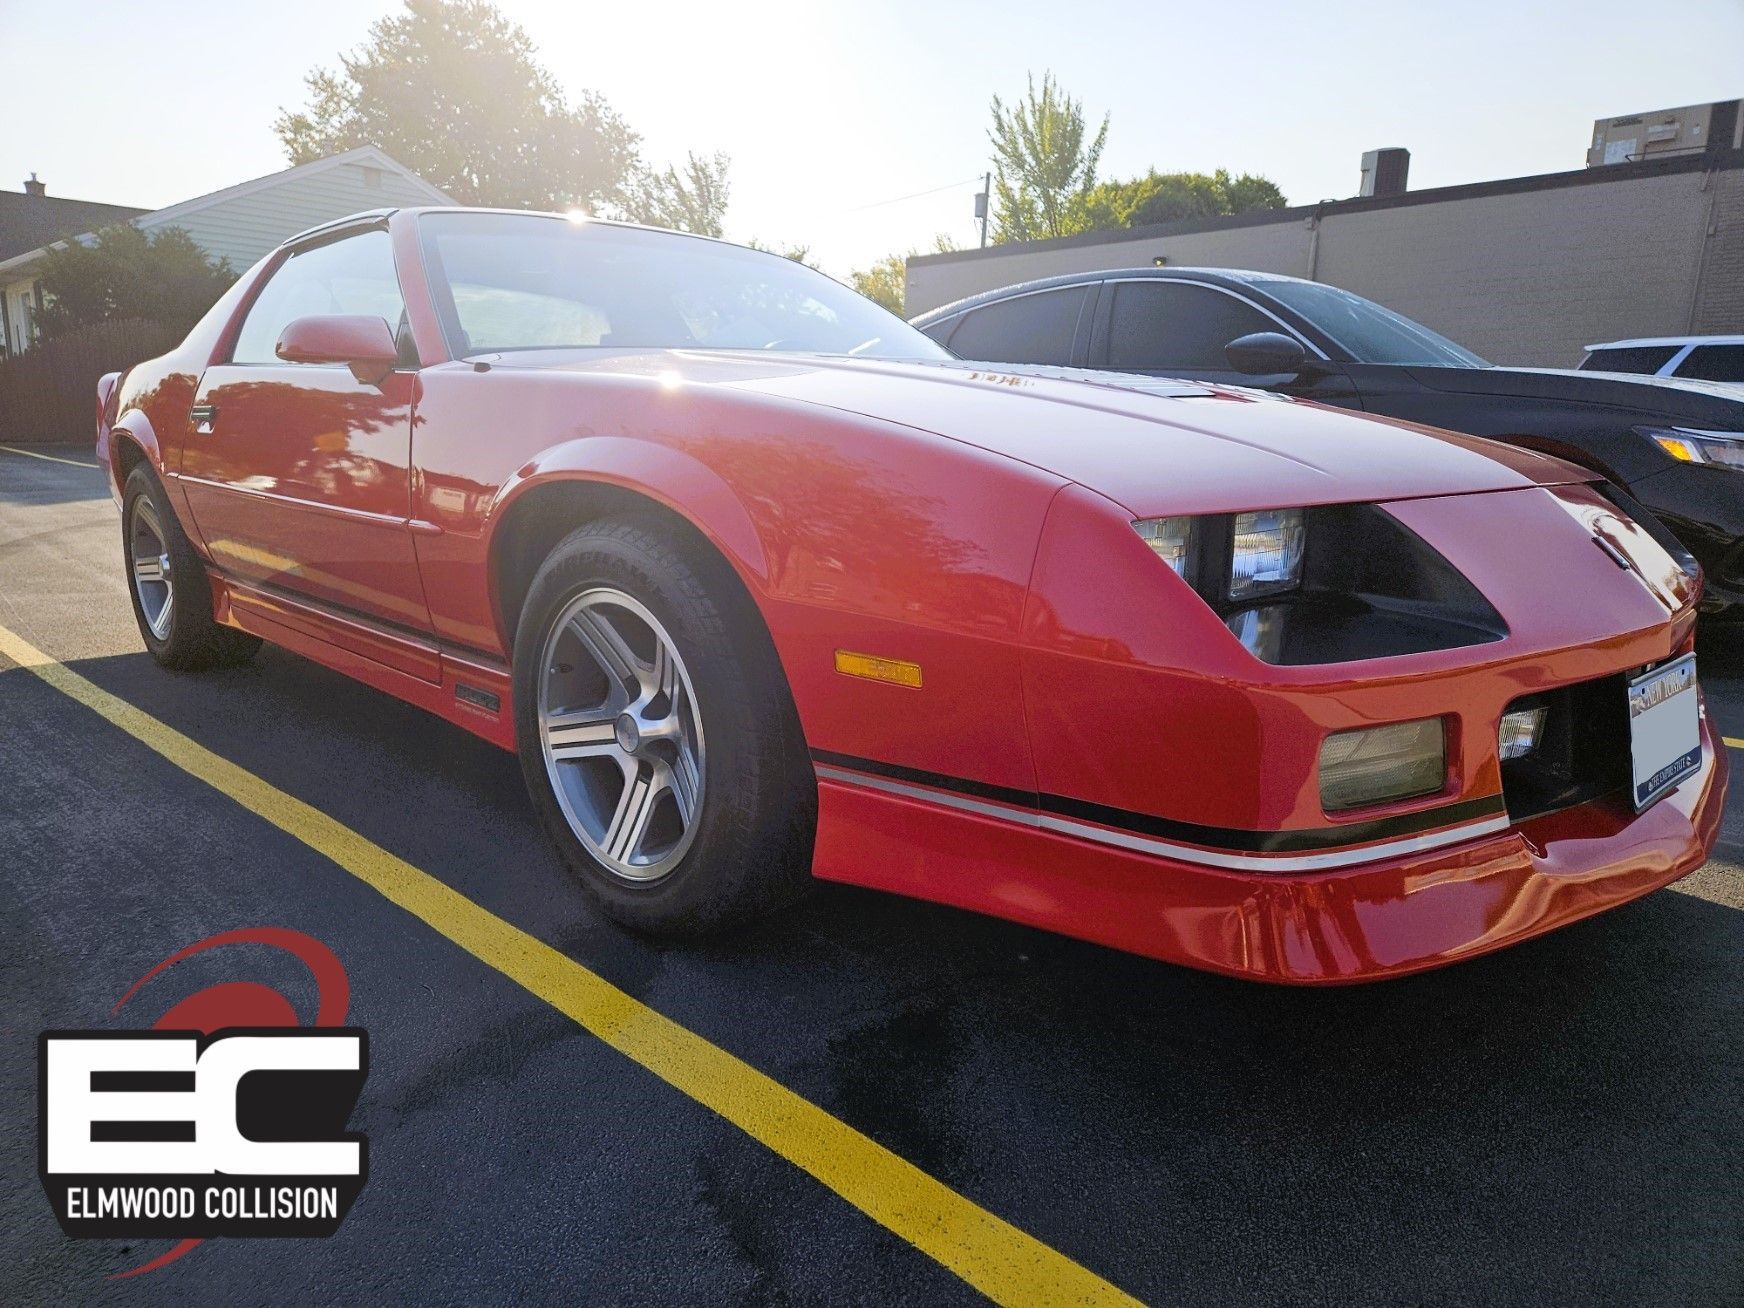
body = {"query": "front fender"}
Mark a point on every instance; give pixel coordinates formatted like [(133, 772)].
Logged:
[(669, 476)]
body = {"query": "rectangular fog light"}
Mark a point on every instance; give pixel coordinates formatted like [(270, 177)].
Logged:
[(1379, 764), (1520, 731)]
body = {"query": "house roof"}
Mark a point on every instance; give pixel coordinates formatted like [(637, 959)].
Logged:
[(363, 154), (29, 222), (21, 247)]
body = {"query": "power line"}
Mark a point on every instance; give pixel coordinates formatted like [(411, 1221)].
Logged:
[(879, 204)]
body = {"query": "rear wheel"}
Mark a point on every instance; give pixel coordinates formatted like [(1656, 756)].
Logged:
[(172, 599), (657, 737)]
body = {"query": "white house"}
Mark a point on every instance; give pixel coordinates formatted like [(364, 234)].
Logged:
[(239, 223)]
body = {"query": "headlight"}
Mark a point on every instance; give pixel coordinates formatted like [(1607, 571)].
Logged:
[(1172, 539), (1267, 553), (1380, 764), (1723, 449), (1263, 552)]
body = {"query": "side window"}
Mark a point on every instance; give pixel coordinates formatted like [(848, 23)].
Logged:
[(1026, 329), (1714, 363), (1630, 358), (353, 275), (1161, 325)]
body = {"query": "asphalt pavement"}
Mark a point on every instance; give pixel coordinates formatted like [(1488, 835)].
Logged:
[(1559, 1122)]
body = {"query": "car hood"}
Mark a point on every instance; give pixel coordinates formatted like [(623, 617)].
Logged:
[(1154, 446), (1684, 399)]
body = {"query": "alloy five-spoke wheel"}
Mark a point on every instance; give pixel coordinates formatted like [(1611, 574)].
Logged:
[(149, 557), (621, 735)]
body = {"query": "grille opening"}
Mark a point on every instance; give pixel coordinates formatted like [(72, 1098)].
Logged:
[(1583, 754)]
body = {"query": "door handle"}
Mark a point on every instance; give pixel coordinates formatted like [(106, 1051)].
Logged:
[(203, 416)]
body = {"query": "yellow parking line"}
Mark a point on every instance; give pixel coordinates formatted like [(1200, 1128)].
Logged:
[(1733, 741), (32, 454), (1004, 1263)]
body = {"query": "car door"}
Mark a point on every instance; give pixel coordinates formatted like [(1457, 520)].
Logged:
[(298, 475), (1178, 328)]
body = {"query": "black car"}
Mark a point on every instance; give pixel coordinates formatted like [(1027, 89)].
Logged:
[(1675, 445)]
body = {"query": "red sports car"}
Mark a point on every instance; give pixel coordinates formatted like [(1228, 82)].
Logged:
[(764, 586)]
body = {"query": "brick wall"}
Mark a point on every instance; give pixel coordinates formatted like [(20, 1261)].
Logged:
[(1720, 303)]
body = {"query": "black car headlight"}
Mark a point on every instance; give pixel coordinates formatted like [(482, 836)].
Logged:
[(1719, 449)]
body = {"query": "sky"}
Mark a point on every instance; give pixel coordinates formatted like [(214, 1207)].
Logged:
[(861, 130)]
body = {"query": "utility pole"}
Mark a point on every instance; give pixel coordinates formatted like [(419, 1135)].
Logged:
[(981, 206)]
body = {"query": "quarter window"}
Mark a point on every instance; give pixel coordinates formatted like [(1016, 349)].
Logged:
[(1034, 328), (1714, 363), (353, 275), (1162, 325)]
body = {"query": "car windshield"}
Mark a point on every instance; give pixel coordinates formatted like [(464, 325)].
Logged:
[(1368, 332), (529, 282)]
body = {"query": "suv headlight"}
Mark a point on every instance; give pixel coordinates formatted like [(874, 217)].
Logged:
[(1723, 449)]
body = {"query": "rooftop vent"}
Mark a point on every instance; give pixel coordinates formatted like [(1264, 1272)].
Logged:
[(34, 187), (1384, 171)]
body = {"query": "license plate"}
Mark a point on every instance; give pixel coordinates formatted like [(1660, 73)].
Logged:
[(1664, 733)]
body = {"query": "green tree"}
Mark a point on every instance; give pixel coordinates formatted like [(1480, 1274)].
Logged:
[(1251, 191), (452, 89), (886, 282), (1044, 163), (1172, 197), (694, 201), (128, 273)]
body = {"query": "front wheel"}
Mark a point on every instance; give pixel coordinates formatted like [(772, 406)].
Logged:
[(657, 736), (172, 599)]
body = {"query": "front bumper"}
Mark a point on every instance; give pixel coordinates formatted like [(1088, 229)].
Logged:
[(1375, 920)]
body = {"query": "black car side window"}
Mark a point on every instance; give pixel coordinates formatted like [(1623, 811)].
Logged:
[(1035, 328), (1160, 325), (352, 275)]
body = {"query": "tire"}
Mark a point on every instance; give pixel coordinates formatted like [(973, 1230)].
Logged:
[(745, 849), (173, 604)]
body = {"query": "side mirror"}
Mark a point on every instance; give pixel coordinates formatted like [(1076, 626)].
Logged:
[(364, 344), (1265, 354)]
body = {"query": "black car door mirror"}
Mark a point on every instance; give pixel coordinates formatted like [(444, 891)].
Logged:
[(1265, 354)]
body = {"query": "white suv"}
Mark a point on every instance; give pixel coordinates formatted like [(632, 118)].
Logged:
[(1709, 358)]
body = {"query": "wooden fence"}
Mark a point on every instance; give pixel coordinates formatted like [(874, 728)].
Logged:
[(49, 393)]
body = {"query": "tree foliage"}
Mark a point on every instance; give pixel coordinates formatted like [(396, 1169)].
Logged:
[(886, 282), (1171, 197), (787, 250), (692, 201), (127, 273), (452, 89), (1044, 163)]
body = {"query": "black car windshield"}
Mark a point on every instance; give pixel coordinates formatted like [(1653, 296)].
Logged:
[(532, 281), (1368, 332)]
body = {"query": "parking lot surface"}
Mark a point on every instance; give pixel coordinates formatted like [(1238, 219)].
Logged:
[(1558, 1122)]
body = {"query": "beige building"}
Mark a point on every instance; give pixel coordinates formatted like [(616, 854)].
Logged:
[(1526, 271)]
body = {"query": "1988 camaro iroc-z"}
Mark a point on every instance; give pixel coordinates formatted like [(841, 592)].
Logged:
[(764, 585)]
